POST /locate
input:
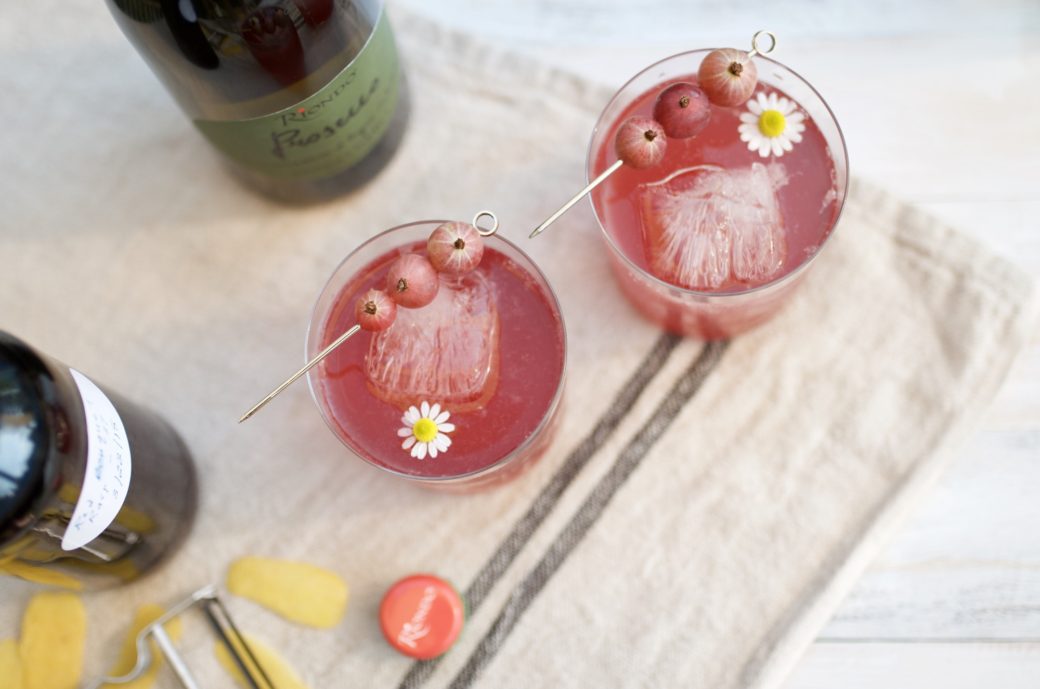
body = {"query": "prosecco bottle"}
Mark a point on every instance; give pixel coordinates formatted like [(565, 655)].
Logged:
[(94, 490), (304, 98)]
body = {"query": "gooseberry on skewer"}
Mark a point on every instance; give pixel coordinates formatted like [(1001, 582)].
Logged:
[(640, 143), (727, 77), (375, 310), (455, 248), (412, 281), (683, 110)]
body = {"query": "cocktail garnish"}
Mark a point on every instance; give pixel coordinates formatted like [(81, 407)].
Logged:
[(412, 282), (683, 110), (425, 430), (772, 125), (375, 310), (455, 248), (640, 143), (728, 78)]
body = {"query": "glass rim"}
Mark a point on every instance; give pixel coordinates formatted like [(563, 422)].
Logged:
[(658, 282), (532, 437)]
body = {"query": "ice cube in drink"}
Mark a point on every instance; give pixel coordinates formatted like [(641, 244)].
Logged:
[(446, 351), (706, 226)]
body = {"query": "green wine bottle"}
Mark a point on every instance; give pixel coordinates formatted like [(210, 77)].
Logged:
[(304, 98)]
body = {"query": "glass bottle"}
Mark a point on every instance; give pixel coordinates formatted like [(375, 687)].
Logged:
[(304, 98), (94, 490)]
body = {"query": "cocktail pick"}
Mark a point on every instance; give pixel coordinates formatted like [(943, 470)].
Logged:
[(640, 142), (412, 282)]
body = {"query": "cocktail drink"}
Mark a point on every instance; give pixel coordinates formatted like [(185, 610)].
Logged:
[(458, 387), (712, 235)]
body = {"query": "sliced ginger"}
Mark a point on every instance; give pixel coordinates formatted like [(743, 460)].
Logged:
[(277, 670), (39, 575), (146, 614), (54, 629), (10, 665), (295, 590)]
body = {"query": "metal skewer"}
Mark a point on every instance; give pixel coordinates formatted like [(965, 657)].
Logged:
[(577, 197), (755, 50), (307, 367)]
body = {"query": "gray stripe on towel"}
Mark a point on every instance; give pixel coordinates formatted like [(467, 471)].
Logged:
[(591, 510), (542, 506)]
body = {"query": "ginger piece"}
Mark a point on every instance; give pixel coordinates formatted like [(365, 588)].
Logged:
[(39, 575), (54, 629), (10, 664), (295, 590)]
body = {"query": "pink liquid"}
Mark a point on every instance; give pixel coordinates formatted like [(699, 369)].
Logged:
[(809, 204), (488, 428)]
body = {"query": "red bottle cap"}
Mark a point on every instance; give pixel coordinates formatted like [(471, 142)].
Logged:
[(421, 616)]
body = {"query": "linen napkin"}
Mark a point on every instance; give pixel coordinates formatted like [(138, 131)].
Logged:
[(703, 508)]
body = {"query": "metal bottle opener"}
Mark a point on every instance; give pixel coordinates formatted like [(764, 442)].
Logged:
[(226, 630)]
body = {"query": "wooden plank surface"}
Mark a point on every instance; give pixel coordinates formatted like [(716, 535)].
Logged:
[(919, 666), (939, 103), (967, 566)]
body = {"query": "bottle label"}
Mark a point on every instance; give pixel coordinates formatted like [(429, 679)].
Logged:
[(108, 467), (327, 132)]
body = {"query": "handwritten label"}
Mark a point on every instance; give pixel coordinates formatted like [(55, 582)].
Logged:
[(108, 467)]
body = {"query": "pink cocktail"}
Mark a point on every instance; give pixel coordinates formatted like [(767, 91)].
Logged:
[(711, 241), (481, 366)]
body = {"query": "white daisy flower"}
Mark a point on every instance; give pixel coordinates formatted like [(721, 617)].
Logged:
[(772, 126), (425, 430)]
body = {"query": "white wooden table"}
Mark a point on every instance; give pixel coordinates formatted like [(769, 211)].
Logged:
[(940, 102)]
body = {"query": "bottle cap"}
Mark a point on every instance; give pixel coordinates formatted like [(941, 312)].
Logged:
[(421, 616)]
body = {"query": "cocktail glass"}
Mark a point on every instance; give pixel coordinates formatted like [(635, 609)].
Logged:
[(807, 189), (483, 365)]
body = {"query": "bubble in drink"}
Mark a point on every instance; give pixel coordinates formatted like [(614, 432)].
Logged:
[(706, 225), (446, 351)]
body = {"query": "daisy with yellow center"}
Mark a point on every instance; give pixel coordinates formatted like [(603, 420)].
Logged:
[(772, 125), (425, 430)]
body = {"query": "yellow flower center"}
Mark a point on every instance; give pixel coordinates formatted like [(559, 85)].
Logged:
[(772, 123), (424, 430)]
